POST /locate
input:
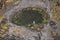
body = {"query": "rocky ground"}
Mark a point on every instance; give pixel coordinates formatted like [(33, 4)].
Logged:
[(16, 32)]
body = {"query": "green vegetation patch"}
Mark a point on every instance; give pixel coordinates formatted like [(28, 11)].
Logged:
[(30, 15)]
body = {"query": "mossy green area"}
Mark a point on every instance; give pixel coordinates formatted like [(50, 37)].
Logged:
[(28, 16)]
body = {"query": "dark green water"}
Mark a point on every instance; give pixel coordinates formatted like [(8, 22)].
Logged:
[(26, 17)]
